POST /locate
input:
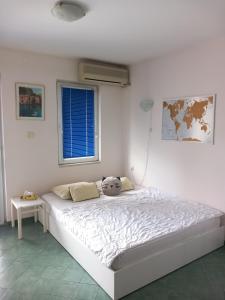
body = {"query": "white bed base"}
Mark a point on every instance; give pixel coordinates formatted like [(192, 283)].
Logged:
[(134, 276)]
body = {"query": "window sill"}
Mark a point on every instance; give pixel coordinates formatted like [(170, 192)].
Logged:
[(72, 164)]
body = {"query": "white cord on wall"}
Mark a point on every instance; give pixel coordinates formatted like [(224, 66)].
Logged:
[(147, 151)]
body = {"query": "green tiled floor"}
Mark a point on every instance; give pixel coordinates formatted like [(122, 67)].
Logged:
[(38, 268)]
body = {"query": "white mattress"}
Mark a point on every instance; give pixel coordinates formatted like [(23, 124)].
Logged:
[(63, 211)]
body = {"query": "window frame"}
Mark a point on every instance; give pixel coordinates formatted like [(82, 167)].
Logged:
[(78, 160)]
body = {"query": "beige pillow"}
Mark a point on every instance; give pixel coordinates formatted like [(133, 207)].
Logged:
[(126, 184), (81, 191), (63, 191), (99, 186)]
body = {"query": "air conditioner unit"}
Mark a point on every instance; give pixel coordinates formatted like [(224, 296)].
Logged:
[(103, 73)]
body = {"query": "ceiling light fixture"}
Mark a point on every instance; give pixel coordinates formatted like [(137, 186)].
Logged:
[(68, 11)]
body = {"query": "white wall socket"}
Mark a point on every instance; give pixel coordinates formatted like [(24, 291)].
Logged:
[(30, 134)]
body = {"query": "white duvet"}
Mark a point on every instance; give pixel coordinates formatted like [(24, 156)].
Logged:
[(112, 225)]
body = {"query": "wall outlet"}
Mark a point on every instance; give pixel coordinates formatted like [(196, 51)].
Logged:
[(132, 169), (30, 134)]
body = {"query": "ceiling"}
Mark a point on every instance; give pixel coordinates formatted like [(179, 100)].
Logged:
[(125, 31)]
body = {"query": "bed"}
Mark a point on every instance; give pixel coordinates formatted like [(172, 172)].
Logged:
[(130, 240)]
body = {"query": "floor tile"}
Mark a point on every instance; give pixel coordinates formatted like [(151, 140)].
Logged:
[(51, 260), (35, 271), (48, 297), (25, 284), (53, 272), (6, 243), (53, 248), (74, 273), (101, 295), (5, 263), (65, 289), (215, 257), (11, 274), (216, 275), (38, 268), (27, 296), (86, 278), (28, 259), (10, 295), (2, 292), (45, 286), (155, 291), (85, 292)]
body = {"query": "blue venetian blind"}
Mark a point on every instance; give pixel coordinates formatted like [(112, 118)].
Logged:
[(78, 122)]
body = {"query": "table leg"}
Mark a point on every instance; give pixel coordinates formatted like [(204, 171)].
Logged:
[(35, 215), (19, 218), (12, 215), (44, 217)]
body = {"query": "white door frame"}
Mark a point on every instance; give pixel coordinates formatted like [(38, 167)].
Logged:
[(2, 198)]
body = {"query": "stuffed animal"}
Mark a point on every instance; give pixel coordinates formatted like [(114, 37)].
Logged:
[(111, 186), (29, 196)]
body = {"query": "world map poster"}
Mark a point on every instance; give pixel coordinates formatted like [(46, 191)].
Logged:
[(189, 119)]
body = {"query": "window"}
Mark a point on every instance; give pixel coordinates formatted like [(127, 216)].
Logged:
[(78, 123)]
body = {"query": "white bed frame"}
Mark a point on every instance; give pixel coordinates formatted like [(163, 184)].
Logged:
[(134, 276)]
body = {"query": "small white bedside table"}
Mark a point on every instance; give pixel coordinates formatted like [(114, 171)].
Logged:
[(30, 207)]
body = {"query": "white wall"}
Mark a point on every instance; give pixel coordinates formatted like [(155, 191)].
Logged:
[(32, 164), (193, 170)]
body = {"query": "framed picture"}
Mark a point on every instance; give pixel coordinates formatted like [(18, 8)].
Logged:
[(189, 119), (30, 101)]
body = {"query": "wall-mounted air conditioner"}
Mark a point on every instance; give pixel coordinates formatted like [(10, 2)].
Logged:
[(103, 73)]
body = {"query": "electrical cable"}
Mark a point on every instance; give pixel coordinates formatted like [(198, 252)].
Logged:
[(146, 155)]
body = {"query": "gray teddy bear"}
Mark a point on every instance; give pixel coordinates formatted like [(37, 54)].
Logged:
[(111, 186)]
